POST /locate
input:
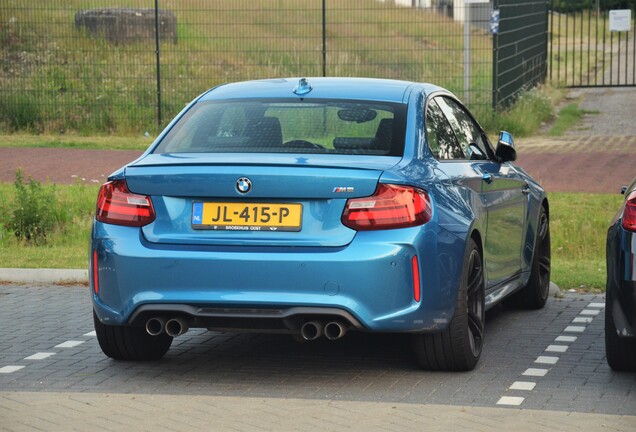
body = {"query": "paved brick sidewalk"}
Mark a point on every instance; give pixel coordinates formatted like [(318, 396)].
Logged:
[(24, 411), (594, 164), (269, 382), (63, 165)]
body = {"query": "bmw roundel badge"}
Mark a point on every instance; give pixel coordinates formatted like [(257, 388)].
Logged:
[(243, 185)]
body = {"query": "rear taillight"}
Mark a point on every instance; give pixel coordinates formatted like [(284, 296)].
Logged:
[(629, 214), (391, 206), (117, 205)]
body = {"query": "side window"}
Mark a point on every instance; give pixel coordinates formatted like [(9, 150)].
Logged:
[(440, 136), (466, 130)]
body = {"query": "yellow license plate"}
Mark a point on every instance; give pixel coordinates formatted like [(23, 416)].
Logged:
[(247, 216)]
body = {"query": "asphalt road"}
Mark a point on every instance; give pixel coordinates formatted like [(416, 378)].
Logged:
[(551, 360)]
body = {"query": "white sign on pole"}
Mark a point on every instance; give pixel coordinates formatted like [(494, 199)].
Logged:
[(620, 20)]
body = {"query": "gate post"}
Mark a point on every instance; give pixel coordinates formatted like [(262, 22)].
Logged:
[(495, 62), (157, 52), (324, 38)]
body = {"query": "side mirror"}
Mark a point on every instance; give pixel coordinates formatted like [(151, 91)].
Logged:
[(505, 151), (623, 190)]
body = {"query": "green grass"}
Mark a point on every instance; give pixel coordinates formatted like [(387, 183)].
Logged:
[(567, 117), (524, 118), (67, 80), (531, 109), (106, 142), (66, 247), (578, 227)]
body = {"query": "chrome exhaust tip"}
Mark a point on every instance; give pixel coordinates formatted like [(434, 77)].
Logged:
[(335, 330), (311, 330), (176, 327), (155, 326)]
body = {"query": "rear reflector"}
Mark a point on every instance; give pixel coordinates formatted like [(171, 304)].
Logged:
[(117, 205), (629, 214), (417, 288), (391, 206), (95, 274)]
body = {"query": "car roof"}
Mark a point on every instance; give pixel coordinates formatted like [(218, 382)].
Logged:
[(322, 88)]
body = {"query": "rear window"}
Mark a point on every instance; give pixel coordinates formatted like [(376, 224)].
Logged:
[(294, 126)]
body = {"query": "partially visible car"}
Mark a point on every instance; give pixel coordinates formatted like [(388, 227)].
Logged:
[(620, 307), (314, 207)]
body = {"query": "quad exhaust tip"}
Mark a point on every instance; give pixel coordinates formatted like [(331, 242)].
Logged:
[(155, 326), (176, 327), (335, 330), (172, 327), (311, 330)]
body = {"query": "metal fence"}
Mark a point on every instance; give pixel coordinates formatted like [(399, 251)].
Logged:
[(82, 65), (593, 43), (521, 58)]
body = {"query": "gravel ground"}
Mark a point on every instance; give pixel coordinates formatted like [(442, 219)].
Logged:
[(616, 107)]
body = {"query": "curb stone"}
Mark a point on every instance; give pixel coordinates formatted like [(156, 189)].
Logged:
[(44, 276)]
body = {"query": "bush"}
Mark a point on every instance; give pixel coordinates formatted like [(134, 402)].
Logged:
[(20, 112), (34, 210), (530, 110)]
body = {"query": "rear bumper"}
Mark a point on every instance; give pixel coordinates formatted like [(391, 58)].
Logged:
[(621, 308), (368, 283), (621, 280)]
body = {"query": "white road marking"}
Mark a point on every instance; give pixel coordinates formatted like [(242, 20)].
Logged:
[(557, 348), (40, 356), (510, 400), (547, 360), (586, 316), (69, 344), (535, 372), (565, 339), (522, 385), (592, 312), (10, 369), (90, 334)]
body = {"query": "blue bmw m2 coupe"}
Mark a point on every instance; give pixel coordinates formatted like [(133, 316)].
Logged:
[(315, 207)]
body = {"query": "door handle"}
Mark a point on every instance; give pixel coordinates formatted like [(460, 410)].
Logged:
[(487, 178)]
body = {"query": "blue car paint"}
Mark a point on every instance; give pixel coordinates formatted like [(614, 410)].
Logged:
[(198, 181), (226, 276), (147, 266)]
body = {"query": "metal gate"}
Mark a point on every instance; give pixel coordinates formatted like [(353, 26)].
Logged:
[(592, 43)]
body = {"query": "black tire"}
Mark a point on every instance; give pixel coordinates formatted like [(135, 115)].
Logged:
[(535, 294), (620, 352), (459, 346), (130, 343)]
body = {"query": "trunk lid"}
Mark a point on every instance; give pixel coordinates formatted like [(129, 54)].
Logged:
[(181, 184)]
